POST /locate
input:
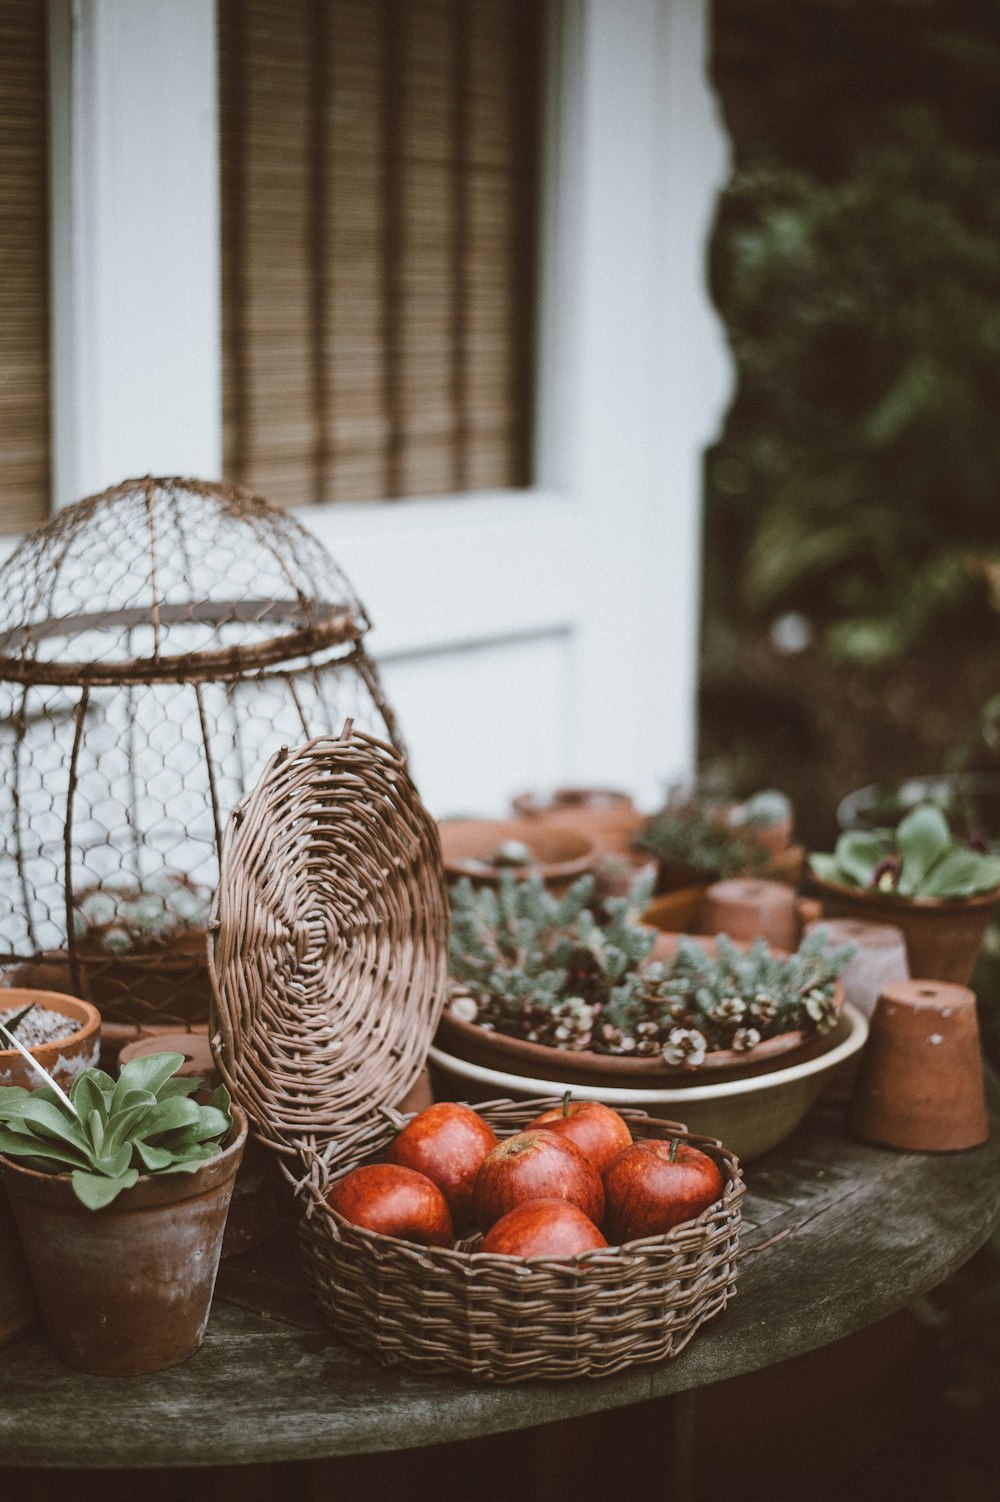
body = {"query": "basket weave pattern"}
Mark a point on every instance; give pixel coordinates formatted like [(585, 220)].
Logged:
[(329, 947), (504, 1319)]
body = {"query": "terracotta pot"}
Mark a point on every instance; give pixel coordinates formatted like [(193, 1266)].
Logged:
[(127, 1289), (560, 854), (167, 986), (943, 936), (746, 909), (18, 1310), (66, 1057), (677, 912), (492, 1050), (920, 1084), (253, 1213), (605, 815)]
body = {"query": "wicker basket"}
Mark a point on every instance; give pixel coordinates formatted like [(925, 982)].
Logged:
[(328, 962)]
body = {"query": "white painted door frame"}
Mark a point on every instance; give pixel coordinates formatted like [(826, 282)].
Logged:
[(603, 556)]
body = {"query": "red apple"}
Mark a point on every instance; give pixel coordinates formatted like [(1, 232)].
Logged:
[(656, 1184), (395, 1201), (598, 1131), (447, 1142), (535, 1166), (543, 1228)]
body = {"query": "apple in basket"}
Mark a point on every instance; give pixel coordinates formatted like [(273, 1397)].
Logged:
[(598, 1132), (395, 1201), (447, 1142), (532, 1166), (543, 1228), (655, 1185)]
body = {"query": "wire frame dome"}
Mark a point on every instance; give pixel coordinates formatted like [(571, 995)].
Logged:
[(158, 643)]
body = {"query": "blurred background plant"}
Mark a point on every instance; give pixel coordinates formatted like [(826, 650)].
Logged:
[(852, 557), (852, 553)]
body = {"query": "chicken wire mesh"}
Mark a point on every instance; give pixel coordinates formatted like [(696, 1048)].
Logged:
[(158, 643)]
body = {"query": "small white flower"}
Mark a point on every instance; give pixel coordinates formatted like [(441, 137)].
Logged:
[(745, 1038), (684, 1046), (729, 1009), (765, 1008), (464, 1009)]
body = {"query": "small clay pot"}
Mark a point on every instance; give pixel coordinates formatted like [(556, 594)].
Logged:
[(920, 1084), (880, 959), (126, 1289), (64, 1058), (677, 912), (559, 853), (605, 815), (746, 909), (943, 936)]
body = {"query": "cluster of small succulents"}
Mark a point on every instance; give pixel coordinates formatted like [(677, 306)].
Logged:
[(694, 845), (537, 967), (732, 999), (126, 919), (543, 970)]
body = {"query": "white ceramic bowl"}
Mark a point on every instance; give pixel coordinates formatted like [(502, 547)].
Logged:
[(750, 1116)]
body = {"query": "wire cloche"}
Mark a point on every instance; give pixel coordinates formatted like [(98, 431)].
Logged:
[(158, 643)]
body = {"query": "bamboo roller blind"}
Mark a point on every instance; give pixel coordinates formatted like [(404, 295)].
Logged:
[(24, 255), (378, 212)]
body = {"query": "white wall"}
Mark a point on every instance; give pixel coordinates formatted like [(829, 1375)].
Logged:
[(526, 637)]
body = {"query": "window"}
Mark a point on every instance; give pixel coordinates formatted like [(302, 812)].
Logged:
[(24, 291), (379, 175)]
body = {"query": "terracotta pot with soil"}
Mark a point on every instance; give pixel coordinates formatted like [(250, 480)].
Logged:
[(63, 1034), (127, 1289)]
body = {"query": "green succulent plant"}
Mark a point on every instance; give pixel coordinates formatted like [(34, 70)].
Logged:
[(543, 970), (693, 846), (105, 1133), (920, 858)]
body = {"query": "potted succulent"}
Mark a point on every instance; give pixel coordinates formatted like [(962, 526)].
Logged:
[(938, 892), (699, 842), (140, 953), (483, 850), (120, 1191), (544, 989)]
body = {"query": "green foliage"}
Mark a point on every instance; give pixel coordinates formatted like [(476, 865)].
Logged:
[(921, 859), (535, 963), (105, 1133), (541, 969), (860, 285), (693, 845), (730, 999), (127, 919)]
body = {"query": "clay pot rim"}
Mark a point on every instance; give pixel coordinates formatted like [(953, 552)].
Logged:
[(51, 1001), (578, 864), (148, 1189), (570, 799), (907, 904), (851, 1033)]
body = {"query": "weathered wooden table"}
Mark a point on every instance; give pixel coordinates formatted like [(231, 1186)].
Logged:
[(837, 1235)]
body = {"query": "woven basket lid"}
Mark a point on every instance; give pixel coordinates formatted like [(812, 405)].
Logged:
[(329, 942)]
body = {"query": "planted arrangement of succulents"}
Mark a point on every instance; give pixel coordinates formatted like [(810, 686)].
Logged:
[(131, 919), (695, 844), (542, 969), (920, 858), (106, 1132)]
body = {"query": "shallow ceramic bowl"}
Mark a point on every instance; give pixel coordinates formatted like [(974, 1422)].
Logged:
[(749, 1115), (65, 1058)]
